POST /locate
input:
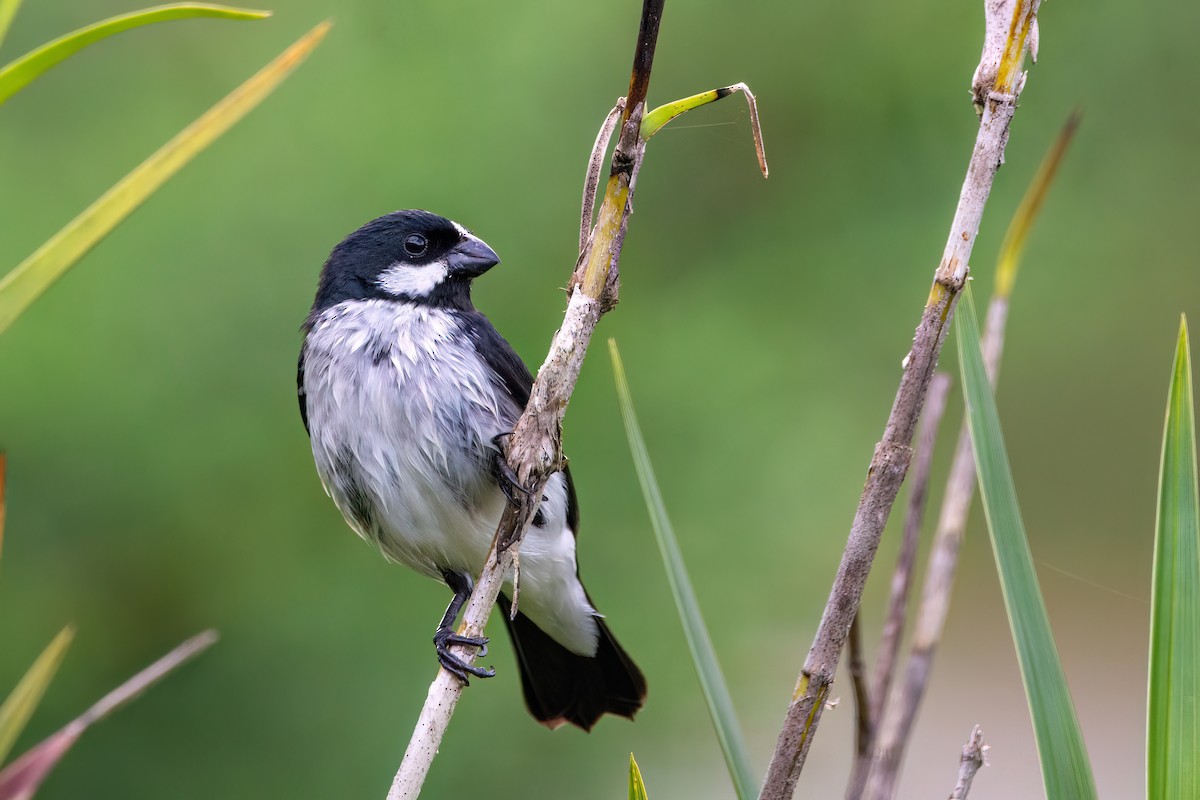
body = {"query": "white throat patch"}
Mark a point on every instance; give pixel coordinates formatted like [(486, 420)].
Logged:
[(414, 281)]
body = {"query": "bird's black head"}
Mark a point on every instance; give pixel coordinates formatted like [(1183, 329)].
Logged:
[(411, 256)]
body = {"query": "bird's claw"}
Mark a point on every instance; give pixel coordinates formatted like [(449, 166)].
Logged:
[(508, 480), (455, 665)]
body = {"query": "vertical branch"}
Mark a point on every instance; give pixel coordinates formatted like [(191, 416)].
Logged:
[(534, 450), (893, 627), (864, 722), (895, 726), (973, 757), (892, 454), (897, 609)]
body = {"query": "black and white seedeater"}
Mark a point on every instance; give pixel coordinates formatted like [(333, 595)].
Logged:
[(405, 390)]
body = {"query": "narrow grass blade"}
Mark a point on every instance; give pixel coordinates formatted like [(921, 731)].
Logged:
[(1173, 727), (704, 658), (8, 10), (637, 787), (19, 288), (20, 705), (1066, 771), (1022, 222), (17, 75), (20, 779)]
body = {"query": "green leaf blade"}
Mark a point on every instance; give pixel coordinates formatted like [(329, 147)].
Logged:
[(637, 787), (1173, 719), (17, 75), (29, 279), (24, 699), (704, 657), (1066, 769), (8, 10)]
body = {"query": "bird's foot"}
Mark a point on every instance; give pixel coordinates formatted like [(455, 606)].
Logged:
[(455, 665), (508, 480)]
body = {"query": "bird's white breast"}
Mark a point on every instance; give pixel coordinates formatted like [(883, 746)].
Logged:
[(401, 411)]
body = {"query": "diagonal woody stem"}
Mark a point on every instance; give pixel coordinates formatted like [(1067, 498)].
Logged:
[(892, 454), (893, 625), (894, 726)]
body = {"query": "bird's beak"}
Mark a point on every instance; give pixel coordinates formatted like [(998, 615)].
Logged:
[(471, 257)]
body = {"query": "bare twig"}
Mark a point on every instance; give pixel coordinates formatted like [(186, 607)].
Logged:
[(895, 725), (892, 454), (864, 723), (534, 449), (973, 757), (893, 626), (147, 678), (592, 180)]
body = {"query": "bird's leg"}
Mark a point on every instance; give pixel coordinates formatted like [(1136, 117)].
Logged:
[(505, 477), (445, 636)]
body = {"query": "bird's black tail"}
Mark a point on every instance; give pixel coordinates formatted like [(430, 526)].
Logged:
[(561, 686)]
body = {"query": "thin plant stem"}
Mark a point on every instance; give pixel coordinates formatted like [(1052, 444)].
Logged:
[(973, 757), (906, 559), (896, 723), (891, 458)]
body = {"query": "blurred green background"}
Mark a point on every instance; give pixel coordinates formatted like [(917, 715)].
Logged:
[(160, 480)]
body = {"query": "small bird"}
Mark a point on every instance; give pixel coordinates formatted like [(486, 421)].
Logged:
[(406, 391)]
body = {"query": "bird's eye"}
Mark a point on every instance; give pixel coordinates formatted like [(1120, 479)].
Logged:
[(415, 244)]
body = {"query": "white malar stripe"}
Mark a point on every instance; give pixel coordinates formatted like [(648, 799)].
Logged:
[(412, 280)]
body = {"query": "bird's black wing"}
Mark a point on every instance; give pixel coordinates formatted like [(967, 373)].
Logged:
[(499, 355), (300, 392)]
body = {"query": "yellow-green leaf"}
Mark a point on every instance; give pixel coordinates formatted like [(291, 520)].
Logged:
[(1173, 728), (1013, 245), (20, 705), (19, 288), (18, 74), (655, 120), (21, 779), (637, 788), (1066, 770), (8, 10)]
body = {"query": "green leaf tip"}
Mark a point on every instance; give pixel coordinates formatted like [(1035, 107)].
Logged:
[(1013, 246), (24, 699), (33, 276), (704, 656), (1173, 690), (20, 73), (21, 779), (637, 787), (656, 120), (8, 10), (1066, 768)]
